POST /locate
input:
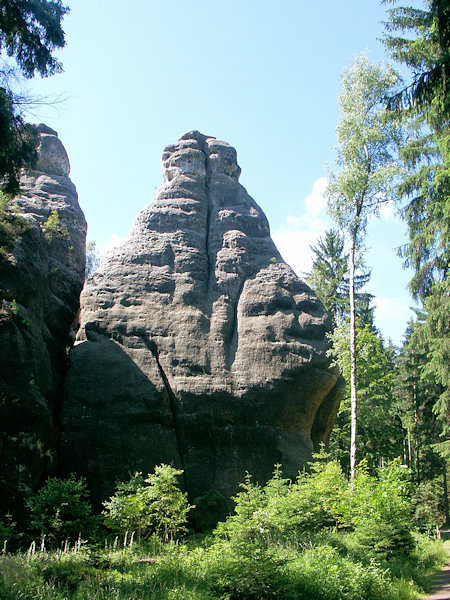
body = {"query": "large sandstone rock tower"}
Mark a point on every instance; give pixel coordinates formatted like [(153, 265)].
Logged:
[(41, 277), (198, 345)]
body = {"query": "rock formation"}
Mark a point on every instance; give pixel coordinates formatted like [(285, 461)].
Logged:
[(42, 274), (198, 345)]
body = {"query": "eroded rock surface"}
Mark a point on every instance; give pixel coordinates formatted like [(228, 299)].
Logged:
[(198, 345), (42, 274)]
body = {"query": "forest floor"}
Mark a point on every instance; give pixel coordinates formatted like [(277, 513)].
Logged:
[(441, 586)]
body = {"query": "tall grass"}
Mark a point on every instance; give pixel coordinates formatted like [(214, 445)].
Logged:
[(325, 566)]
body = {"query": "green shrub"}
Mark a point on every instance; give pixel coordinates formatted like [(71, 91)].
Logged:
[(428, 505), (12, 224), (251, 575), (9, 534), (61, 511), (321, 573), (125, 510), (382, 510), (152, 505), (282, 508), (53, 227), (210, 508)]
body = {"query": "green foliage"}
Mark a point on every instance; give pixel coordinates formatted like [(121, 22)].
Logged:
[(151, 505), (167, 504), (329, 277), (210, 508), (382, 510), (61, 511), (125, 510), (11, 224), (251, 575), (30, 32), (417, 393), (420, 39), (18, 146), (427, 54), (92, 259), (321, 572), (329, 273), (241, 562), (428, 505), (433, 334), (53, 227), (284, 508), (9, 534), (377, 508), (379, 437), (367, 139)]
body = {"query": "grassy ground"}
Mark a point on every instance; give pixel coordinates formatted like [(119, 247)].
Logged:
[(327, 567)]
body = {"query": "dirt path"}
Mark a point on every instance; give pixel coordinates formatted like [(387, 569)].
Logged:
[(441, 587)]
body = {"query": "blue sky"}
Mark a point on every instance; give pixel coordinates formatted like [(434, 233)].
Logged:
[(262, 75)]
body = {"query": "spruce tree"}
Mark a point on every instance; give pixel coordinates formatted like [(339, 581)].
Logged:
[(420, 39), (329, 278), (30, 32)]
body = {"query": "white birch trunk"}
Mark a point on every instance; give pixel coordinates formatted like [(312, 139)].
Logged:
[(353, 395)]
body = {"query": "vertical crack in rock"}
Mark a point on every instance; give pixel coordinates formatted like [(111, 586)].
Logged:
[(209, 261), (41, 277), (232, 341), (209, 258), (245, 349), (151, 346)]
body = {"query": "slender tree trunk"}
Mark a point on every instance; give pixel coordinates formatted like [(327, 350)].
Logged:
[(353, 395), (409, 448), (444, 473), (416, 428)]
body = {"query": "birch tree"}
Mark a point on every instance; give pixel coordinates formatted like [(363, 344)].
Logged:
[(363, 175)]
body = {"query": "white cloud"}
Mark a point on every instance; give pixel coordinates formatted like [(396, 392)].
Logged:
[(316, 203), (294, 238), (387, 212), (299, 231), (114, 240)]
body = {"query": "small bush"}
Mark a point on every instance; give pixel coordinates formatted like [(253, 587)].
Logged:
[(383, 511), (12, 224), (428, 505), (53, 227), (151, 505), (251, 575), (322, 573), (283, 508), (61, 511)]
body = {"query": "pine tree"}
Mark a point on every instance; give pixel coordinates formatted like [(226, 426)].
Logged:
[(329, 278), (426, 182), (30, 31), (417, 392)]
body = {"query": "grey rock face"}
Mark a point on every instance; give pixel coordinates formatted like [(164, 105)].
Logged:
[(198, 345), (41, 279)]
